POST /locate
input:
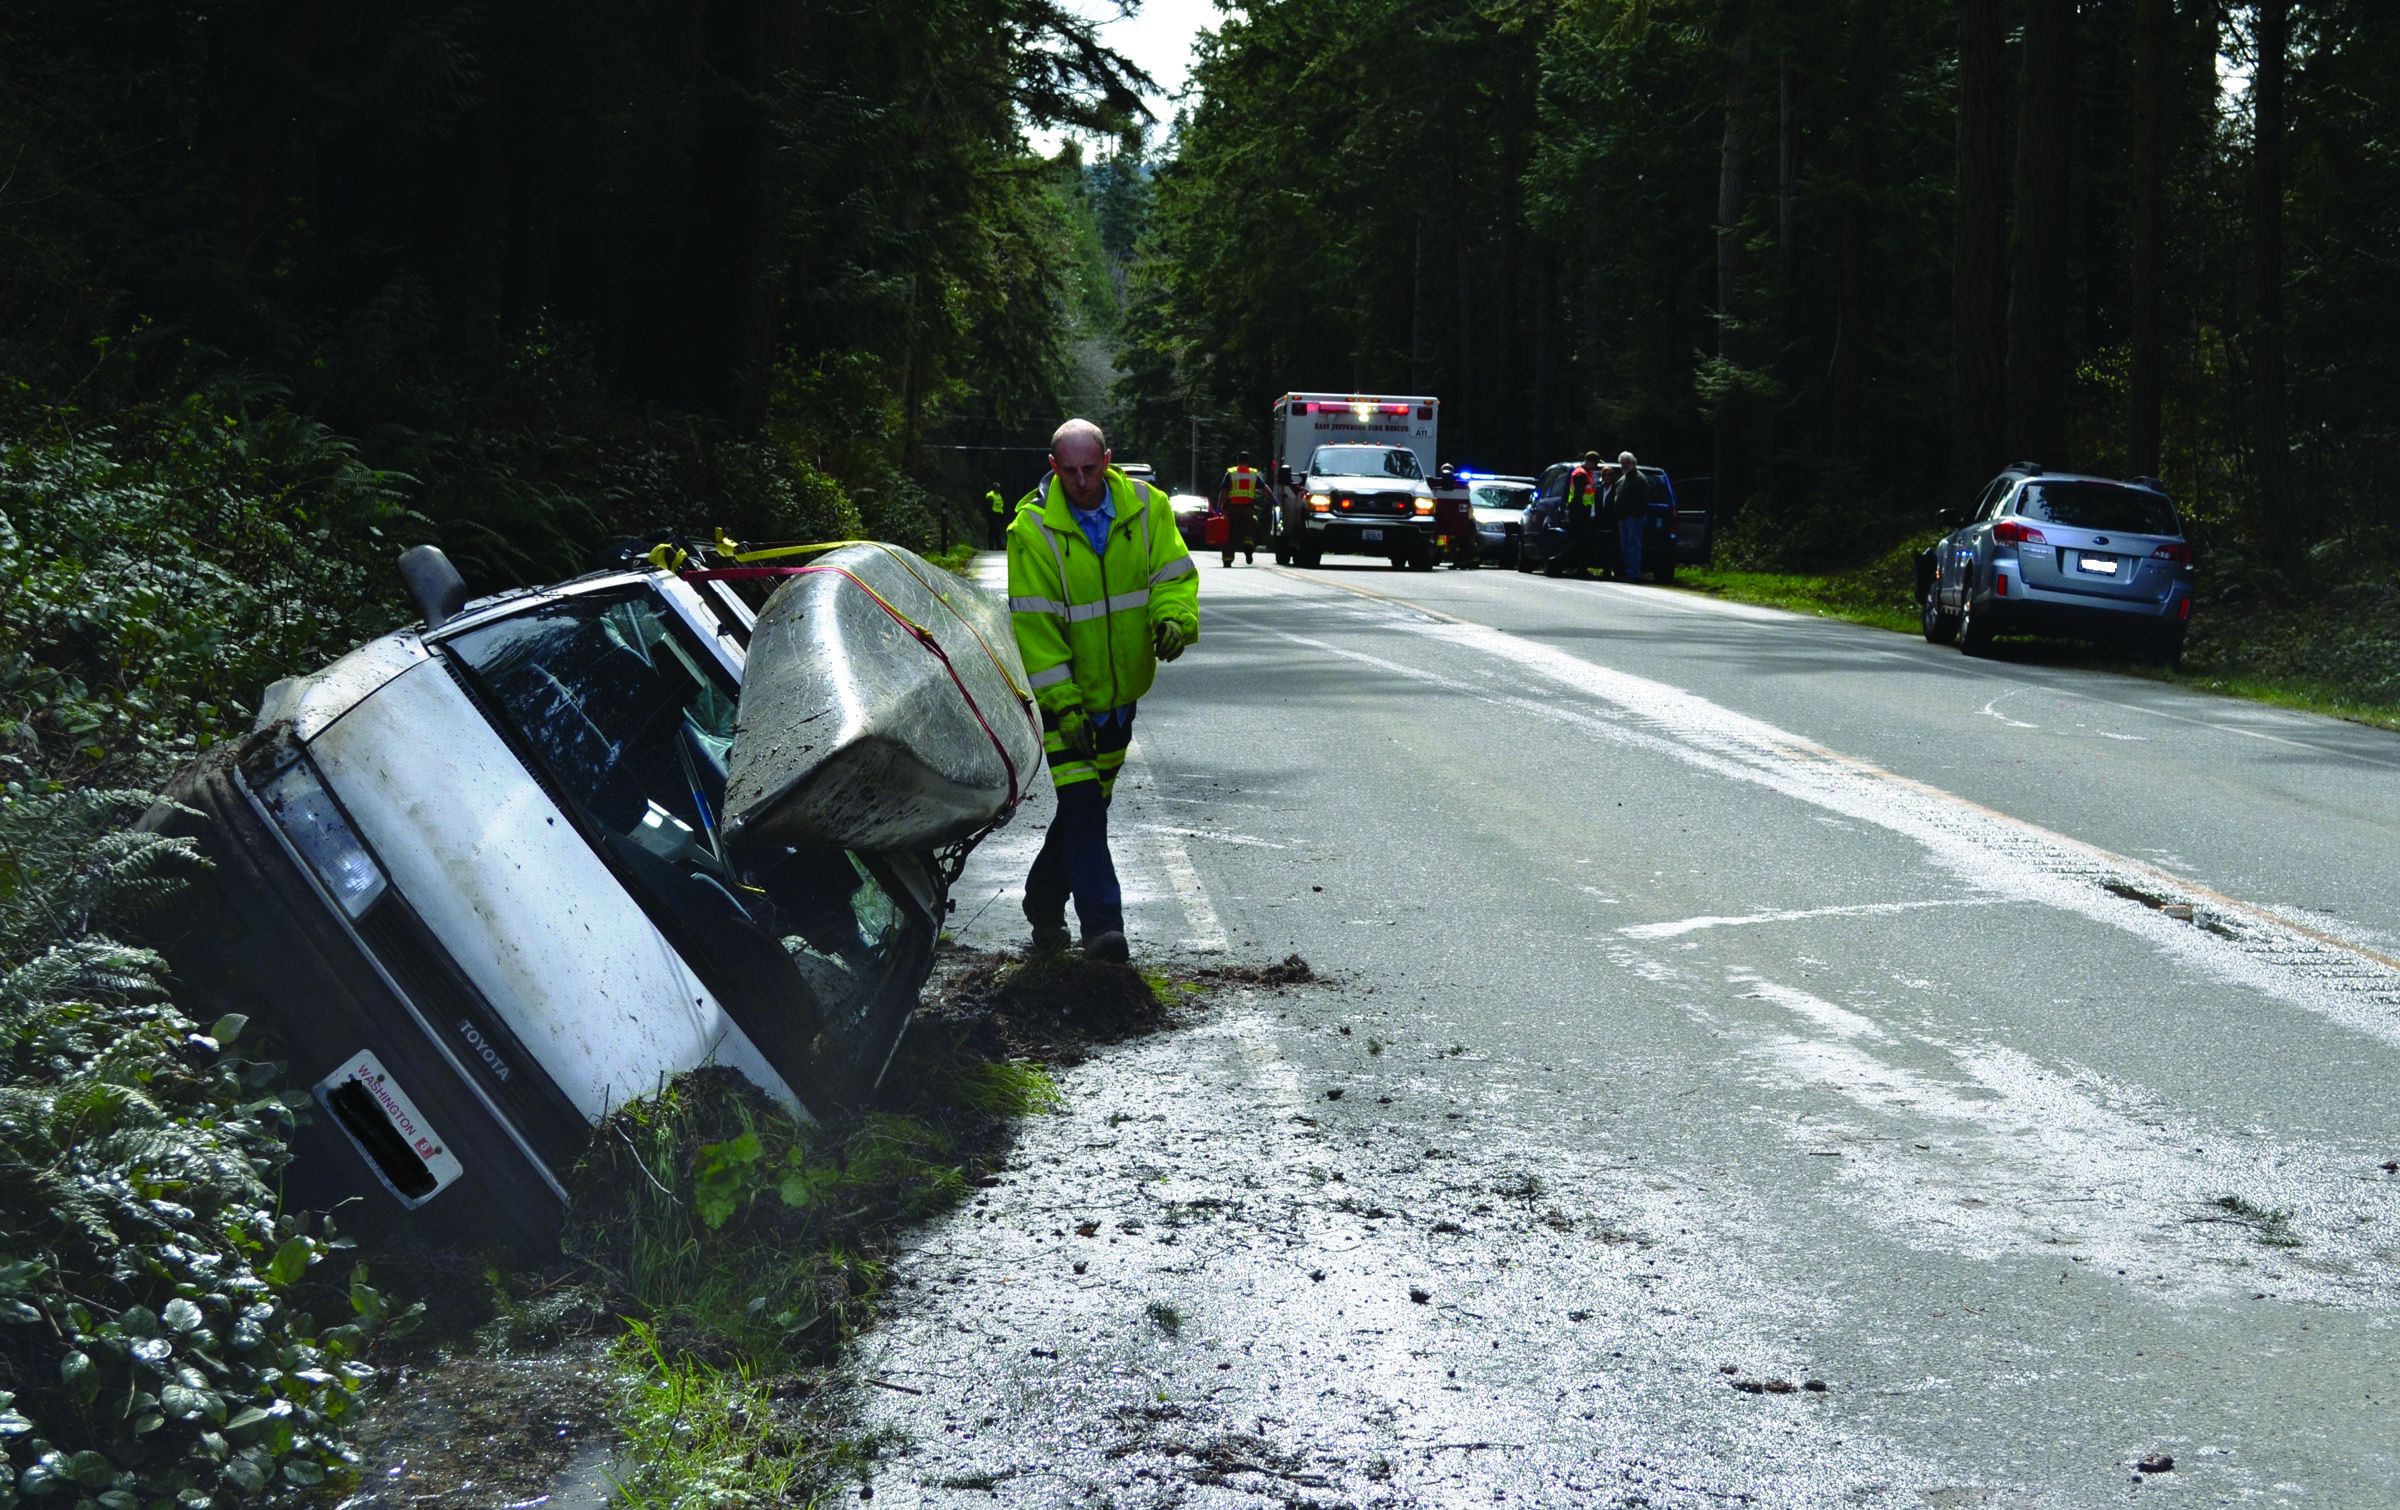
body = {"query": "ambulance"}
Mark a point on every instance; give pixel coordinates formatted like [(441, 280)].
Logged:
[(1351, 476)]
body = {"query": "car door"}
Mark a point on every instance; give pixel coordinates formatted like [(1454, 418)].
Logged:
[(1962, 551)]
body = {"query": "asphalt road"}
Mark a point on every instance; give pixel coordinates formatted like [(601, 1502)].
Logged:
[(1722, 997)]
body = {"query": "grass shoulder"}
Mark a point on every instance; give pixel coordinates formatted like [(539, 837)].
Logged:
[(2311, 659)]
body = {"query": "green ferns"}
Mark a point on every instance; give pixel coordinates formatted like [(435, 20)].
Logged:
[(151, 1349)]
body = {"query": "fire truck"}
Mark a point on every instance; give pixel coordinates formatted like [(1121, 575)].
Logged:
[(1350, 473)]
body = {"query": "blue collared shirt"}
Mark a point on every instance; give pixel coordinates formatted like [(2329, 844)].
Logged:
[(1095, 522)]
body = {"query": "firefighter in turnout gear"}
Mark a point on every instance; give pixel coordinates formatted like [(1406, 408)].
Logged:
[(1237, 500), (1100, 590)]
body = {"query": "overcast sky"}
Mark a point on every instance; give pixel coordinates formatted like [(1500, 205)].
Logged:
[(1157, 37)]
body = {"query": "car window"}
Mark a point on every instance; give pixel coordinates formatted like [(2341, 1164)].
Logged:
[(2098, 506), (1365, 461), (1989, 506), (632, 726), (1496, 495)]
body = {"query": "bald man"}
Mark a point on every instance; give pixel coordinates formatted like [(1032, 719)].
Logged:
[(1100, 590)]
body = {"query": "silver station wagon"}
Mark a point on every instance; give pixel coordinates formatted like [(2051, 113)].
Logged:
[(2060, 553)]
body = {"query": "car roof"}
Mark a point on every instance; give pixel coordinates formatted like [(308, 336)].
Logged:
[(2145, 484)]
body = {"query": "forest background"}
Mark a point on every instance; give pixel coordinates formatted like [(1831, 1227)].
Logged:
[(284, 287), (288, 285)]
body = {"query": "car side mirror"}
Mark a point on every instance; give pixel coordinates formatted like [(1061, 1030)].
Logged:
[(435, 585)]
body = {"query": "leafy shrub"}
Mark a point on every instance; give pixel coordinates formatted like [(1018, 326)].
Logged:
[(153, 578), (152, 1348), (731, 1224)]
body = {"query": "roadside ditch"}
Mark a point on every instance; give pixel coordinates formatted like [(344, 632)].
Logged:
[(693, 1347)]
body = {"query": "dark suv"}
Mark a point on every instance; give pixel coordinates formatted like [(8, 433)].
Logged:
[(1545, 546), (2060, 553)]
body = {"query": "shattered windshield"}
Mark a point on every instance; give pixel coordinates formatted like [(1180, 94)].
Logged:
[(632, 722), (1365, 461), (1502, 495)]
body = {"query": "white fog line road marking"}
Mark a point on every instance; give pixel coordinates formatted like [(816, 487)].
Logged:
[(1955, 668), (1210, 833), (1208, 934), (2241, 942), (1860, 910)]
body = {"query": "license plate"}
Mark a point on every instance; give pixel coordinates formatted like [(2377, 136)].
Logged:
[(2098, 566), (368, 1104), (1370, 534)]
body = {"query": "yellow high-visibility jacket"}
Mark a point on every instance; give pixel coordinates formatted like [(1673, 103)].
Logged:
[(1083, 620)]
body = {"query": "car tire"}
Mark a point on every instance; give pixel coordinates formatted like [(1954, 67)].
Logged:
[(1283, 557), (1524, 563), (2166, 647), (1974, 630), (1664, 576), (1310, 559), (1940, 628)]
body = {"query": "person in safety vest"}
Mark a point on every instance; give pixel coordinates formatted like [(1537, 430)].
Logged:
[(1583, 505), (995, 524), (1100, 590), (1237, 500)]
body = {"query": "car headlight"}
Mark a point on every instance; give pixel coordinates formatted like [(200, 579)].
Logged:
[(317, 827), (1321, 502)]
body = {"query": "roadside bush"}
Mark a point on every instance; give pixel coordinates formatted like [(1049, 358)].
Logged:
[(153, 1346), (154, 577)]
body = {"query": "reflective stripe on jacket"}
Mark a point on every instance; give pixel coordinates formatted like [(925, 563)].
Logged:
[(1241, 485), (1083, 619)]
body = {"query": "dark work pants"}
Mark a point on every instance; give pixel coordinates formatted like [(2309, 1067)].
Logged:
[(1580, 529), (1074, 860), (995, 532)]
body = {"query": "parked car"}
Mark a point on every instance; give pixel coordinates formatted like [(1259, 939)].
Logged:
[(1545, 549), (1191, 518), (1360, 500), (473, 882), (2060, 553), (1499, 504)]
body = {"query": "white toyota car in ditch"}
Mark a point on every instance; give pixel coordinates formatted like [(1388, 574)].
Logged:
[(473, 882)]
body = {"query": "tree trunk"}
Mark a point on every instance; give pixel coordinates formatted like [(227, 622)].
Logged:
[(1464, 414), (1420, 314), (1545, 356), (1979, 254), (2149, 234), (1506, 391), (2037, 302), (1732, 163), (1856, 317), (2269, 460), (1590, 329)]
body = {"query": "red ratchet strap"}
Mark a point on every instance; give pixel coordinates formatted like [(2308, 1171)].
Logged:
[(923, 636)]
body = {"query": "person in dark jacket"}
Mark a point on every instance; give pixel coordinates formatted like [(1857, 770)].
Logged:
[(1633, 502)]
